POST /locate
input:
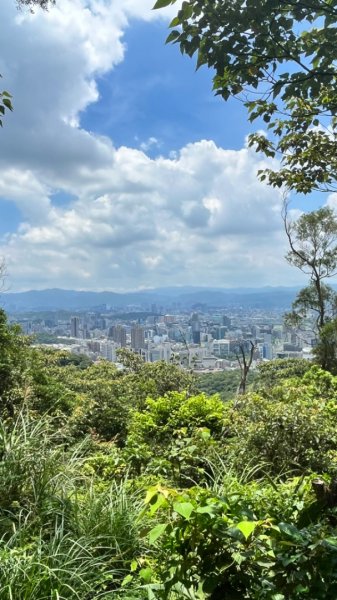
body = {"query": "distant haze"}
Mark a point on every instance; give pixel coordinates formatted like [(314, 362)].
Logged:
[(162, 298)]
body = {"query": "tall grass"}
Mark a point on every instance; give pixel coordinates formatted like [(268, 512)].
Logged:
[(63, 536)]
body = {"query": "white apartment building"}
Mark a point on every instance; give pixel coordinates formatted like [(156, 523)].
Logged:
[(108, 350), (221, 348), (159, 352)]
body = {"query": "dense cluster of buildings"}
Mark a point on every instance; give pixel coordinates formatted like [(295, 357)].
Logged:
[(202, 340)]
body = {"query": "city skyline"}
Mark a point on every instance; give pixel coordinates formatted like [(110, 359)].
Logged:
[(207, 340)]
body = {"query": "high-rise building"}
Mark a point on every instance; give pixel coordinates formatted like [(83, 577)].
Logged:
[(137, 338), (118, 334), (227, 321), (195, 323), (75, 327)]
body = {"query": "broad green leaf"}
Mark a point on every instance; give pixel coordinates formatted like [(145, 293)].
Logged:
[(161, 500), (146, 574), (247, 527), (150, 495), (205, 509), (291, 531), (184, 509), (156, 532)]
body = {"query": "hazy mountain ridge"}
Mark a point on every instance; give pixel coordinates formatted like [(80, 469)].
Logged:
[(175, 297)]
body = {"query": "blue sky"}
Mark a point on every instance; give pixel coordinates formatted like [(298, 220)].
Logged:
[(119, 168), (156, 92)]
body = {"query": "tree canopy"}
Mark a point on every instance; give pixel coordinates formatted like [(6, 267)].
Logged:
[(279, 59)]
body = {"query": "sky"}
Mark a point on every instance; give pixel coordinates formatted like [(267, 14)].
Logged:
[(119, 168)]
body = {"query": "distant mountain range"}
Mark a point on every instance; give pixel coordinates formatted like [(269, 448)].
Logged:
[(162, 298)]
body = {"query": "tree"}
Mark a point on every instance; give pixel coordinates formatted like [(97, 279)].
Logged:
[(245, 360), (275, 372), (279, 59), (326, 350), (313, 249)]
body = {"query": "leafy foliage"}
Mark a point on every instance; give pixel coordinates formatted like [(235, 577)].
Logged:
[(290, 430), (13, 366), (326, 350), (114, 484), (217, 547), (280, 60), (274, 372), (176, 436), (313, 249), (224, 383)]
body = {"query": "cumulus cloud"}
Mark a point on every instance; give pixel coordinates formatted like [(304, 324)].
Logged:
[(199, 216)]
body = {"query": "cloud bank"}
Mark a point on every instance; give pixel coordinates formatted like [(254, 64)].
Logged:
[(126, 220)]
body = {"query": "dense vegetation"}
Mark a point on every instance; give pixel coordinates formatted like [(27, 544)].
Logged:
[(224, 383), (132, 484)]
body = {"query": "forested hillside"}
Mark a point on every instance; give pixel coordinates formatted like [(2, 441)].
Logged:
[(133, 485), (224, 383)]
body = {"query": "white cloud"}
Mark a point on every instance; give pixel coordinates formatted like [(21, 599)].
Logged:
[(332, 202), (199, 216), (151, 142)]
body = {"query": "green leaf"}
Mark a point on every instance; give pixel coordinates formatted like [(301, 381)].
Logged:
[(174, 35), (133, 566), (7, 103), (247, 527), (156, 532), (332, 541), (291, 531), (127, 580), (162, 3), (146, 574), (151, 495), (160, 501), (184, 509), (205, 509), (238, 557), (174, 22)]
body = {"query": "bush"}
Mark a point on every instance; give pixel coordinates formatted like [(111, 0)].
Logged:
[(291, 428), (176, 436), (206, 546)]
